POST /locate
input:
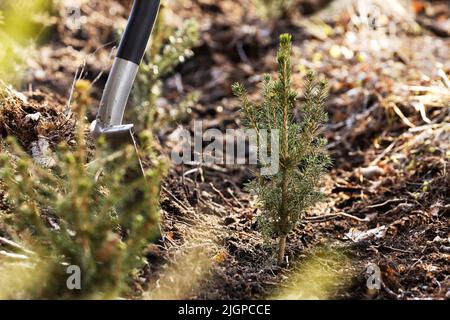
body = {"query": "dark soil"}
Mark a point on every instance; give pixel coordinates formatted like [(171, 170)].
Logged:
[(391, 167)]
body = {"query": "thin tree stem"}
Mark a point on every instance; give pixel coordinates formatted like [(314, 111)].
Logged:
[(281, 249), (284, 180)]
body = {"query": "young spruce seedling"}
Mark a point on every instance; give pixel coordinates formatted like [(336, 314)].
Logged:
[(284, 196)]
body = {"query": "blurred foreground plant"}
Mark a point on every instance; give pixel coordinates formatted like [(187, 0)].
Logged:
[(272, 9), (285, 196), (77, 213), (21, 24), (321, 275)]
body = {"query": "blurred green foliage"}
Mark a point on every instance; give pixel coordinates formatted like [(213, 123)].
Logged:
[(21, 26), (272, 9), (82, 211), (320, 276)]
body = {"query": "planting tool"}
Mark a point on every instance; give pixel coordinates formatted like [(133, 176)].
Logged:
[(123, 73)]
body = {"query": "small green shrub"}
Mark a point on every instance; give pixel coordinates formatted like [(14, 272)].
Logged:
[(284, 196), (78, 213), (272, 9)]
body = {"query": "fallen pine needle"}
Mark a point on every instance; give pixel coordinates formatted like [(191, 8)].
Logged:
[(403, 117), (14, 245), (334, 216), (13, 255)]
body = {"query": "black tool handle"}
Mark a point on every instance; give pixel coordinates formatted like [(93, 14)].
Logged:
[(140, 24)]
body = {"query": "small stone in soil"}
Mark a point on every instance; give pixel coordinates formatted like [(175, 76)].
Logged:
[(229, 220)]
